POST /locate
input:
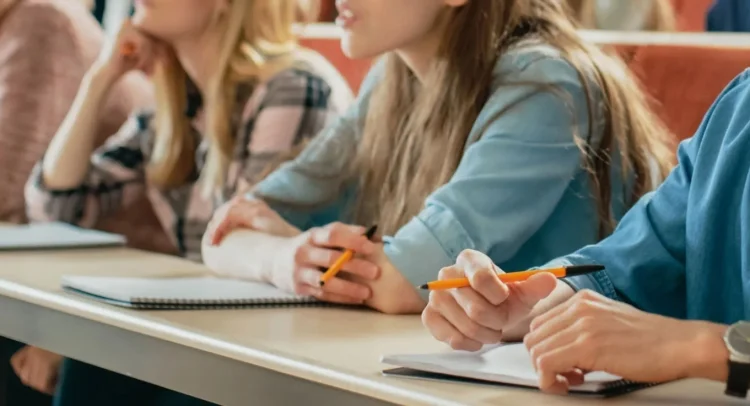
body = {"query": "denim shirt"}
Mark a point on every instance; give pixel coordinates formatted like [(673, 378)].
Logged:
[(684, 250), (519, 193)]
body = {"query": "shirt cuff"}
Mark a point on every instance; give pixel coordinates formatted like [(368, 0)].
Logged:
[(429, 242), (598, 281)]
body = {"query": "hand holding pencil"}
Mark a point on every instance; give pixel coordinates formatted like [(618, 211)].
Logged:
[(560, 272), (488, 310), (339, 255), (334, 269)]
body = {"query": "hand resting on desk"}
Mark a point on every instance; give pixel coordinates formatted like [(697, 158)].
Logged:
[(254, 214), (590, 332), (567, 333), (275, 252)]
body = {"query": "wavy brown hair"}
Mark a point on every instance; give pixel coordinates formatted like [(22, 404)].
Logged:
[(415, 133)]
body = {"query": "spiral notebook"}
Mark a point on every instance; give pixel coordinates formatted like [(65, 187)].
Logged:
[(182, 293), (506, 364)]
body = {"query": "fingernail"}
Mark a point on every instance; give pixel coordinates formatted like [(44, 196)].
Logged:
[(374, 270)]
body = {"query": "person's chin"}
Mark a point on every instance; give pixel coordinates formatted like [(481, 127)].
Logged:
[(354, 49), (148, 27), (142, 22)]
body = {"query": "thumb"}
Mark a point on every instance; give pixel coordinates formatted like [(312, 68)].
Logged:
[(534, 289)]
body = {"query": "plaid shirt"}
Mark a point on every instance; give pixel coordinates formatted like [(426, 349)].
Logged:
[(269, 120)]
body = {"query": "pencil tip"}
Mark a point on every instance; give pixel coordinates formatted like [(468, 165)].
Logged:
[(322, 283), (371, 232), (424, 287)]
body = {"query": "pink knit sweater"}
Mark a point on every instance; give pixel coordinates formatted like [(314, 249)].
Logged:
[(46, 47)]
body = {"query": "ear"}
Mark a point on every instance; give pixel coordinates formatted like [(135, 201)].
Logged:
[(455, 3)]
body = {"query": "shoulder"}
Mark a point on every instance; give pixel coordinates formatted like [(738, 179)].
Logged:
[(536, 62), (38, 11), (295, 87), (737, 93), (728, 119), (53, 29), (309, 82), (535, 93), (45, 18), (306, 60)]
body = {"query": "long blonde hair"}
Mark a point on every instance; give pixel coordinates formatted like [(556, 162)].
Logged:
[(415, 134), (661, 15), (257, 37)]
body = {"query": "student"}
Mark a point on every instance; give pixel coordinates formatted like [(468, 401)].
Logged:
[(630, 15), (676, 275), (233, 93), (46, 46), (487, 125)]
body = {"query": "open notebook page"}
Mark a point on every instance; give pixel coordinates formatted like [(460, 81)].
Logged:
[(507, 363)]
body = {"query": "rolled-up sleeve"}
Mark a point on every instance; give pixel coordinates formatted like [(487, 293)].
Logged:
[(510, 180)]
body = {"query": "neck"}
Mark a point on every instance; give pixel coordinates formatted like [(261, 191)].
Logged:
[(420, 55), (198, 57)]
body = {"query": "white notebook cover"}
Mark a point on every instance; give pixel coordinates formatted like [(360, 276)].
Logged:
[(506, 364), (198, 291), (54, 235)]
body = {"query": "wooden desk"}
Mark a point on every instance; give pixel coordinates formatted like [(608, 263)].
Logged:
[(258, 356)]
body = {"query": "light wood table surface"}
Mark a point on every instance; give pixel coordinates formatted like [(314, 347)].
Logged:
[(279, 356)]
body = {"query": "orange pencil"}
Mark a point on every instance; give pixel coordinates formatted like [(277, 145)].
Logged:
[(344, 258), (515, 276)]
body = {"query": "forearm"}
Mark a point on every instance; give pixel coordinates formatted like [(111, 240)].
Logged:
[(246, 254), (67, 158), (560, 294)]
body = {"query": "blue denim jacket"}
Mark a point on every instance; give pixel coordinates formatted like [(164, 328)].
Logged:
[(684, 250), (519, 194)]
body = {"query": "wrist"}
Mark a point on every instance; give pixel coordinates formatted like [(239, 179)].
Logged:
[(708, 354)]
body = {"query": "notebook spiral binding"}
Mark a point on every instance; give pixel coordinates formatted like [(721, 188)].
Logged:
[(624, 386), (180, 304)]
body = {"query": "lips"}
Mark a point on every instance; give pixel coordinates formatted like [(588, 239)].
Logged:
[(346, 16)]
